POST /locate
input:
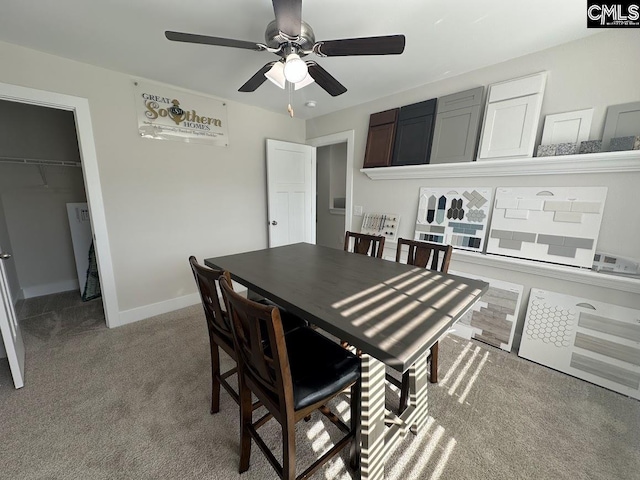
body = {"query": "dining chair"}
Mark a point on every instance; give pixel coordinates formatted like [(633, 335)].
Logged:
[(292, 376), (365, 244), (433, 256), (219, 327)]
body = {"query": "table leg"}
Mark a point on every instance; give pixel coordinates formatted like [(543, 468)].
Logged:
[(418, 392), (372, 428)]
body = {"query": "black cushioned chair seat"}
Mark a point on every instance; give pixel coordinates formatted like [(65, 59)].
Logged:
[(319, 367)]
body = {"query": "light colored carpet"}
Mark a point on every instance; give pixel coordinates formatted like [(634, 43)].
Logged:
[(133, 403)]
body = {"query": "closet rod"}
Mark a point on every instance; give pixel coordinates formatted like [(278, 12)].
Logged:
[(39, 161)]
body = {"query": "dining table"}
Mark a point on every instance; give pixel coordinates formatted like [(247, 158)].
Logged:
[(392, 312)]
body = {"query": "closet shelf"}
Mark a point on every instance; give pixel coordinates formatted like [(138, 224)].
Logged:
[(605, 162), (40, 161)]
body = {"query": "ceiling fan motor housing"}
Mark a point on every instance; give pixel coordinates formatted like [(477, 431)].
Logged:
[(273, 38)]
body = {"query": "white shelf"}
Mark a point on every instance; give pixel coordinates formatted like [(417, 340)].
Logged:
[(562, 272), (605, 162), (572, 274)]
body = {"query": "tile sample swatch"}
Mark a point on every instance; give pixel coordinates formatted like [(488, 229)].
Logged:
[(453, 216), (551, 224), (493, 319), (595, 341)]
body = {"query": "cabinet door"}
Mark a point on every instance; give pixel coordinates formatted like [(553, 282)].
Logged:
[(414, 134), (382, 132), (511, 117), (622, 121), (510, 127), (456, 130)]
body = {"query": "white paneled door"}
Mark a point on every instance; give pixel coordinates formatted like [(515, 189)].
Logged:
[(9, 327), (291, 192)]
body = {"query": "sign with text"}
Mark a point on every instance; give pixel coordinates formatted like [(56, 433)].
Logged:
[(168, 114), (613, 14)]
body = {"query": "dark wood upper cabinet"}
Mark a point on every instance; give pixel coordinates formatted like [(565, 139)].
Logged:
[(414, 133), (382, 131)]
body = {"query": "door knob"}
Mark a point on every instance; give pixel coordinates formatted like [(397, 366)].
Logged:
[(5, 256), (274, 223)]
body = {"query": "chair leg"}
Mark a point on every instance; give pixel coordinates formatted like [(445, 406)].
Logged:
[(245, 423), (215, 378), (356, 398), (288, 450), (433, 374), (404, 393)]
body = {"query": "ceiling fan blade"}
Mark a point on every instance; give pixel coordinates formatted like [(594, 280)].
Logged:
[(207, 40), (323, 78), (385, 45), (288, 16), (258, 79)]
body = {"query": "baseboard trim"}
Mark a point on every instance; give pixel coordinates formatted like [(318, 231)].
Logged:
[(49, 288), (147, 311), (166, 306)]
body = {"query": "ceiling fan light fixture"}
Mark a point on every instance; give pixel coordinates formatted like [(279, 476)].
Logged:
[(295, 69), (308, 80), (276, 74)]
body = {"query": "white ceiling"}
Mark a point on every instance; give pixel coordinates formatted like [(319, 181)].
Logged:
[(444, 38)]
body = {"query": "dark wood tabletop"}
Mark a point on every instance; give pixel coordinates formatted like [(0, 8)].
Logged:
[(392, 311)]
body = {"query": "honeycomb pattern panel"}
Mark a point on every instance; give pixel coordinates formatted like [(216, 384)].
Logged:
[(551, 324), (595, 341)]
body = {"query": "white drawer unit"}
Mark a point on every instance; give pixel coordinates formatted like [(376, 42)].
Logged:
[(594, 341)]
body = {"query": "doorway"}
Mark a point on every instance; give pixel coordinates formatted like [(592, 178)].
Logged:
[(41, 184), (331, 174), (84, 130), (334, 187), (42, 196)]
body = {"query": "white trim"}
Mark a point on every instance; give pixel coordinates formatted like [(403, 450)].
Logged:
[(49, 288), (332, 139), (605, 162), (86, 144), (166, 306)]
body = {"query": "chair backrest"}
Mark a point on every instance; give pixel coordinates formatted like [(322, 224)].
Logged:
[(433, 256), (260, 346), (365, 244), (207, 280)]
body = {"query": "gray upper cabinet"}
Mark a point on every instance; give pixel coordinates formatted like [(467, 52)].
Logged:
[(414, 134), (457, 123)]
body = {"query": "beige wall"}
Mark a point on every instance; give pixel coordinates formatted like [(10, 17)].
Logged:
[(597, 71), (163, 200)]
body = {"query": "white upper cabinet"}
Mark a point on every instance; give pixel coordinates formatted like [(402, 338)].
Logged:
[(511, 117)]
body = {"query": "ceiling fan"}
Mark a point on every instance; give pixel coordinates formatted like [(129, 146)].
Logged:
[(292, 39)]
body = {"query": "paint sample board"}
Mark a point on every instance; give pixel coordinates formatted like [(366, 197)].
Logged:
[(493, 318), (552, 224), (454, 216), (594, 341)]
